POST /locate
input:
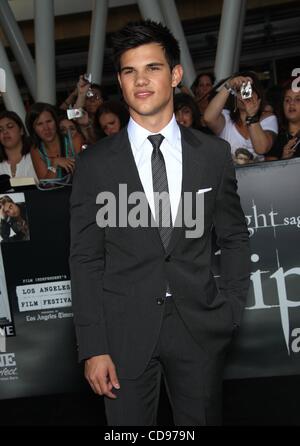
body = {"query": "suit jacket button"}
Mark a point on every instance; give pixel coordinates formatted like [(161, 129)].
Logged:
[(168, 258), (159, 301)]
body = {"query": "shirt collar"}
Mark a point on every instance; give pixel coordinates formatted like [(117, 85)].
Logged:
[(138, 134)]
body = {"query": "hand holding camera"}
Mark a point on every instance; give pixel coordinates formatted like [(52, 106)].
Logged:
[(75, 113), (84, 85), (240, 84)]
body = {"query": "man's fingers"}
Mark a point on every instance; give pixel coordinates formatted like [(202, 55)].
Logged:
[(113, 376), (95, 387), (106, 387), (94, 383), (109, 382), (101, 385)]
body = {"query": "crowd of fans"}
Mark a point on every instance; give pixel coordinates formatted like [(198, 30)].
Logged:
[(261, 127)]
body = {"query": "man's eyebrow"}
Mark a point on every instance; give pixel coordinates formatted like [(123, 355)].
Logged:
[(126, 68), (155, 64), (151, 64)]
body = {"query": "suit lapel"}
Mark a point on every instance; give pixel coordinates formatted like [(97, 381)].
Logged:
[(194, 174), (126, 172)]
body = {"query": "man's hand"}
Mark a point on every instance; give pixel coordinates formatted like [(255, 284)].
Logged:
[(101, 374)]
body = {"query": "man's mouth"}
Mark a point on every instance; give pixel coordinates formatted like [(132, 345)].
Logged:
[(143, 94)]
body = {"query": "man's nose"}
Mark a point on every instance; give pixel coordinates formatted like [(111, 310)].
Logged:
[(141, 79)]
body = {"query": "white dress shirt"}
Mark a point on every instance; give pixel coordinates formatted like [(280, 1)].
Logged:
[(172, 152)]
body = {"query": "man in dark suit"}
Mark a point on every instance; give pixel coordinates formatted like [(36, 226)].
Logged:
[(144, 297)]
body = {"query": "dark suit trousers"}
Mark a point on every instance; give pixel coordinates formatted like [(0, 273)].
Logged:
[(193, 381)]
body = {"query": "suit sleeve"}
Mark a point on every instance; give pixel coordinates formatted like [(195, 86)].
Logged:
[(233, 240), (87, 265)]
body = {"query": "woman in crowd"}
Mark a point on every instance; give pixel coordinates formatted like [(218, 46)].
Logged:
[(287, 144), (111, 117), (202, 87), (186, 111), (15, 159), (245, 124), (53, 153), (70, 128)]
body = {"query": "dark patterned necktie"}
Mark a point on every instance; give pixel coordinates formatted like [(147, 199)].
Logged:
[(160, 184)]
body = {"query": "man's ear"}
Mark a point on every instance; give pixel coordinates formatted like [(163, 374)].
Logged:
[(177, 74)]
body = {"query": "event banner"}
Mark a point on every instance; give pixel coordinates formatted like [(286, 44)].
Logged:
[(37, 342), (40, 356), (268, 342)]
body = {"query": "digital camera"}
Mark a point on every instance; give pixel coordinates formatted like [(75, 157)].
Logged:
[(74, 113), (246, 90)]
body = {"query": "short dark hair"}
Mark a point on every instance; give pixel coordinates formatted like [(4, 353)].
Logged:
[(135, 34), (118, 108), (26, 143), (185, 100)]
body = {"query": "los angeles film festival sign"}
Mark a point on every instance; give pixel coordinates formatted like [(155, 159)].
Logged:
[(269, 339)]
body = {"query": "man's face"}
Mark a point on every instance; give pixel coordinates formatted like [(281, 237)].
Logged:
[(11, 210), (147, 83)]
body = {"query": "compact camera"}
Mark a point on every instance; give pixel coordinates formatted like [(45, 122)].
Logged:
[(246, 90), (75, 113)]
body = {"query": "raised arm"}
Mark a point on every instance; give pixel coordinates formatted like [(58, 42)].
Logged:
[(213, 117), (213, 114)]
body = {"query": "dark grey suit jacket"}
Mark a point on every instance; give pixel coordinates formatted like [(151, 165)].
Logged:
[(120, 273)]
